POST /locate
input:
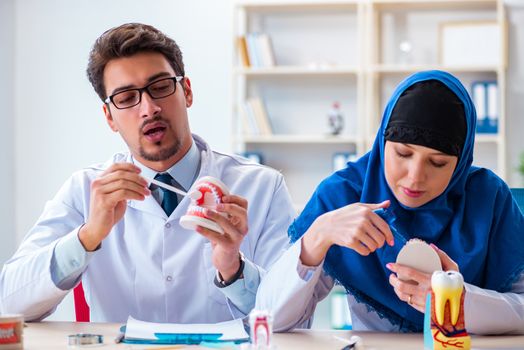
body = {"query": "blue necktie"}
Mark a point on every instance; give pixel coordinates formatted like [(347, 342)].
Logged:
[(170, 200)]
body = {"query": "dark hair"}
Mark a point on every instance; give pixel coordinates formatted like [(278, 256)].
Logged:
[(127, 40)]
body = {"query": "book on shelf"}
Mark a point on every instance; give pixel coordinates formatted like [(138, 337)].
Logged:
[(242, 51), (485, 99), (258, 50), (266, 50), (493, 108), (259, 114), (252, 50), (249, 123)]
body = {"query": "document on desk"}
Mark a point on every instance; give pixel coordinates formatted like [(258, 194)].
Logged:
[(174, 333)]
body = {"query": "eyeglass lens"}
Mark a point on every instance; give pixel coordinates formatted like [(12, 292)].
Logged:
[(158, 89)]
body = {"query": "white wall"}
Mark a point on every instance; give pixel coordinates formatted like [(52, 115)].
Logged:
[(60, 127), (7, 117)]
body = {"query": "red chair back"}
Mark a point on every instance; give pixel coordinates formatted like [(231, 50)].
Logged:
[(81, 307)]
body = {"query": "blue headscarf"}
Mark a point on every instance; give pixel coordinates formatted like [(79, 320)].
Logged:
[(475, 220)]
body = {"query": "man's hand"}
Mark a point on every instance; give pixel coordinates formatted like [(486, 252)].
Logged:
[(109, 195), (226, 246)]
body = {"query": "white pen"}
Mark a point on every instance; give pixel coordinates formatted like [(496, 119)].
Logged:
[(193, 194)]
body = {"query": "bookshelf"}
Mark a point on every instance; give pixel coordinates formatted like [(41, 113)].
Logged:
[(308, 76), (393, 23), (354, 53)]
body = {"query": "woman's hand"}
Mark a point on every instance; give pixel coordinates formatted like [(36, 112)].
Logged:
[(447, 263), (355, 226), (415, 290)]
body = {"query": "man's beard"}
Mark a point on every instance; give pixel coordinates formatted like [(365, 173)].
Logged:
[(162, 154)]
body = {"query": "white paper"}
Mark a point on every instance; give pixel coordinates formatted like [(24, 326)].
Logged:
[(230, 330)]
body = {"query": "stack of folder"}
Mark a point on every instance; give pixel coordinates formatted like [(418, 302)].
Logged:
[(485, 97), (141, 332)]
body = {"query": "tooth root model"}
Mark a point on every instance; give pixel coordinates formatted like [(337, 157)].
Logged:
[(444, 327), (206, 193)]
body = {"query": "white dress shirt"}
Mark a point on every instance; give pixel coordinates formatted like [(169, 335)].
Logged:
[(148, 267), (292, 290)]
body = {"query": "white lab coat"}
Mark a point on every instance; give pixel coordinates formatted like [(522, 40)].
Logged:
[(148, 267)]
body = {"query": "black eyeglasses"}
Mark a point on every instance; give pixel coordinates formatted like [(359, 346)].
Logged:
[(132, 97)]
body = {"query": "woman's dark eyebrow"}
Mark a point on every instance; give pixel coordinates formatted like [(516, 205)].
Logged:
[(431, 154)]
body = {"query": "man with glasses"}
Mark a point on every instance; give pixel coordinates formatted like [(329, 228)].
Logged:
[(113, 230)]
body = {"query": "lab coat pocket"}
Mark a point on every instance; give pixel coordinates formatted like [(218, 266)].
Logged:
[(214, 292)]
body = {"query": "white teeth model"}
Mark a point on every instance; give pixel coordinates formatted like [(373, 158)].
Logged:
[(447, 287)]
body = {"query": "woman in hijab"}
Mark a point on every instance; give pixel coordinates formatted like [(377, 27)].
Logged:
[(417, 182)]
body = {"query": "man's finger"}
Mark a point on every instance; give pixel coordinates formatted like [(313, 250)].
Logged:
[(120, 185), (223, 222), (123, 175), (125, 166), (232, 209), (231, 198), (213, 236)]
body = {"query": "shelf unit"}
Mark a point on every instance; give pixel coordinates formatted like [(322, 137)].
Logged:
[(296, 70), (346, 51), (390, 22), (310, 74)]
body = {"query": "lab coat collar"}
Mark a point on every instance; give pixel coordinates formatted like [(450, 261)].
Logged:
[(207, 168)]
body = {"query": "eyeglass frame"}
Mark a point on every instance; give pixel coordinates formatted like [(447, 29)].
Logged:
[(176, 79)]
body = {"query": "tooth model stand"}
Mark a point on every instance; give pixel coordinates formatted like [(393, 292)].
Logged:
[(444, 327), (211, 191)]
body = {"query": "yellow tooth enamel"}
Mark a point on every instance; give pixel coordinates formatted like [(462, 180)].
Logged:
[(451, 295)]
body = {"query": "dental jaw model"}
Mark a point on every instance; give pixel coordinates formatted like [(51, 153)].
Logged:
[(206, 193), (444, 327), (419, 255)]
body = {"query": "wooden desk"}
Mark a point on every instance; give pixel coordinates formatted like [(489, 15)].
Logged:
[(53, 335)]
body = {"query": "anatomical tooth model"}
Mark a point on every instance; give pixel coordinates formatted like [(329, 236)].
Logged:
[(444, 327), (211, 191)]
